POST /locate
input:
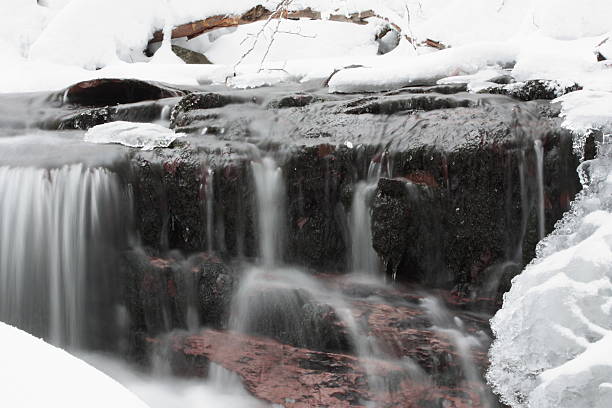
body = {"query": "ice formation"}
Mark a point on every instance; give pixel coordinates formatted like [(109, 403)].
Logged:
[(554, 332), (146, 136)]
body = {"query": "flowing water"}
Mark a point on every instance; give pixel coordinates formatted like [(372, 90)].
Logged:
[(56, 226)]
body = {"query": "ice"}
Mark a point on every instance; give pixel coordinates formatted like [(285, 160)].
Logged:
[(146, 136), (36, 374), (554, 331)]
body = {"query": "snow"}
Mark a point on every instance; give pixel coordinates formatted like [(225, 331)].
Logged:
[(36, 374), (51, 47), (464, 60), (160, 390), (554, 331), (146, 136)]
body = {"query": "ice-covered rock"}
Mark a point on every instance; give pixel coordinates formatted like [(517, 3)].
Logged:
[(554, 332), (146, 136)]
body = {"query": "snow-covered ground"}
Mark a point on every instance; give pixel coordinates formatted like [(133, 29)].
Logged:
[(36, 374), (52, 46)]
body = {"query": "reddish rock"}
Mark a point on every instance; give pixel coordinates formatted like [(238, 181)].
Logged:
[(300, 378)]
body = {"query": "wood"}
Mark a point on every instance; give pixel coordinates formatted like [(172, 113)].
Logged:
[(260, 13)]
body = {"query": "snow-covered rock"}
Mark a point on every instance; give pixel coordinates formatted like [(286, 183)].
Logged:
[(36, 374), (146, 136)]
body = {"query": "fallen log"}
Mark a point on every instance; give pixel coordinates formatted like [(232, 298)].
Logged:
[(260, 13)]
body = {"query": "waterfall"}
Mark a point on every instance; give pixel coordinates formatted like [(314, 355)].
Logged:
[(452, 327), (539, 153), (363, 257), (270, 209), (54, 233), (210, 210)]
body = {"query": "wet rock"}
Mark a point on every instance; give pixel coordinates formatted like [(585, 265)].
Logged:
[(534, 89), (189, 56), (296, 377), (216, 287), (293, 101), (199, 101), (85, 119), (162, 294), (393, 104), (102, 92), (445, 89), (88, 119)]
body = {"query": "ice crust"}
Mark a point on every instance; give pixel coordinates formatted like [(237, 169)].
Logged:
[(146, 136)]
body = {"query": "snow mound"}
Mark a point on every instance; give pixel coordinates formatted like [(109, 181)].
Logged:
[(554, 331), (36, 374), (428, 68), (146, 136)]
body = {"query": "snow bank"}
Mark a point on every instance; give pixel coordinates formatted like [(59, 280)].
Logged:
[(303, 39), (554, 331), (36, 374), (146, 136), (426, 68)]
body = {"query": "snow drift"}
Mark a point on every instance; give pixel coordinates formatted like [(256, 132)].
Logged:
[(36, 374)]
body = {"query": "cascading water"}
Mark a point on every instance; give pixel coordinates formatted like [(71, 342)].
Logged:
[(270, 206), (452, 327), (295, 307), (56, 226), (210, 209), (363, 257), (539, 154)]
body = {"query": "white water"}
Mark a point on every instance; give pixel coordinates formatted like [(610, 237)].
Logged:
[(364, 259), (452, 327), (539, 153), (210, 209), (271, 208), (51, 222)]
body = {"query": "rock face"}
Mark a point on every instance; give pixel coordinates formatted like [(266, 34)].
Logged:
[(456, 206)]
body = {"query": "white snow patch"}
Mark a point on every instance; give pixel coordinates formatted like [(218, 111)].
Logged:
[(146, 136), (36, 374), (426, 68)]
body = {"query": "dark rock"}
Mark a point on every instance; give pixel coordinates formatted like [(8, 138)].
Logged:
[(189, 56), (533, 90), (88, 118), (102, 92), (216, 288), (393, 104), (200, 101)]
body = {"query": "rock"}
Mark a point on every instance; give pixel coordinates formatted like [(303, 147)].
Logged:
[(199, 101), (463, 162), (534, 89), (189, 56), (216, 287), (103, 92), (399, 103), (296, 377), (162, 294)]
